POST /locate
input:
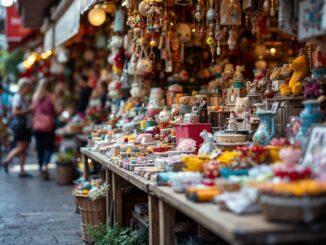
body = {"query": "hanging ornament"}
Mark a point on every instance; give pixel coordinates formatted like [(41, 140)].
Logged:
[(230, 12), (211, 17), (273, 10), (266, 6), (199, 16), (232, 40), (184, 36)]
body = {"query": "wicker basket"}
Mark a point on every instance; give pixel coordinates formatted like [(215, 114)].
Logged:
[(64, 174), (92, 213), (293, 209)]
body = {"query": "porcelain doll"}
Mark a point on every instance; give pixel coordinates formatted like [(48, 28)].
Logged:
[(232, 124), (245, 125), (207, 147)]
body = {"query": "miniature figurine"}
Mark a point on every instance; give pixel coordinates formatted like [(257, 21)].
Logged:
[(207, 147), (232, 124)]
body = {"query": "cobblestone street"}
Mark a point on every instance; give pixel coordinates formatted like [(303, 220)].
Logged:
[(36, 212)]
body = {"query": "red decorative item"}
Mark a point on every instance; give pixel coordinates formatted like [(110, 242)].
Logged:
[(192, 131), (292, 171)]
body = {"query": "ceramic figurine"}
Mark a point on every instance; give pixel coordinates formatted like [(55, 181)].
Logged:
[(165, 115), (238, 76), (241, 105), (266, 130), (310, 115), (156, 99), (245, 125), (207, 147), (201, 111), (232, 124)]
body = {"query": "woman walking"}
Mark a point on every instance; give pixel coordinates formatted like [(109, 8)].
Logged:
[(43, 125), (21, 125)]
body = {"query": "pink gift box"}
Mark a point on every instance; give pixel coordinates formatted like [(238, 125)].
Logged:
[(192, 131)]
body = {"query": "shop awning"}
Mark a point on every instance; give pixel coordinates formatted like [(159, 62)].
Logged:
[(67, 25), (33, 11), (15, 33), (86, 5), (48, 42)]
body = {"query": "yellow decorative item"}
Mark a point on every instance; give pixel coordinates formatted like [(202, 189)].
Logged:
[(285, 90), (194, 163), (300, 66), (297, 188), (297, 89), (228, 157), (274, 153)]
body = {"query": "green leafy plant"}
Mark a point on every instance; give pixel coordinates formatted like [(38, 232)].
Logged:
[(65, 157), (104, 235)]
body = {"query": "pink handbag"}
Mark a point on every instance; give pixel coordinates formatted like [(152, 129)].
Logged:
[(42, 122)]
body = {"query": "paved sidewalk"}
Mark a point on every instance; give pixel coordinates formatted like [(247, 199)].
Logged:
[(34, 212)]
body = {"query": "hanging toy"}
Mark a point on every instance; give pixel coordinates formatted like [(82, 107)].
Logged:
[(199, 15), (230, 12), (184, 36), (232, 40), (210, 17)]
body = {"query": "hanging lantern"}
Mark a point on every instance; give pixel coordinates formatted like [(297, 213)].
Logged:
[(97, 16)]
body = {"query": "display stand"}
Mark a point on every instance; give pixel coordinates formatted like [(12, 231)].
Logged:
[(163, 203)]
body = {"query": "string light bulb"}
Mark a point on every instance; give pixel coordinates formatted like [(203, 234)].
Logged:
[(97, 16)]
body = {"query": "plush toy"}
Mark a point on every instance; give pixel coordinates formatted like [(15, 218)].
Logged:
[(285, 90), (275, 73), (228, 72), (238, 76), (114, 88), (241, 105), (300, 66)]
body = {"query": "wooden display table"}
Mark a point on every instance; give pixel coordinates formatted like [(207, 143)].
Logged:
[(163, 203)]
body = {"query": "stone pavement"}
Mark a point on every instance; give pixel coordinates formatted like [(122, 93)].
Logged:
[(34, 212)]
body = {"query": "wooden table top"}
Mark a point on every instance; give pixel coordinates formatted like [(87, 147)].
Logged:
[(236, 229)]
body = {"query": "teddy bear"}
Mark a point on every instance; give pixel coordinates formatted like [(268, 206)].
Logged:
[(285, 72), (238, 76), (228, 71), (300, 66), (275, 73)]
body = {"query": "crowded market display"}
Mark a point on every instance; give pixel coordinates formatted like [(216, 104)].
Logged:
[(208, 112)]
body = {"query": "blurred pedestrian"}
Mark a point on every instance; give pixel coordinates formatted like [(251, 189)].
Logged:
[(44, 125), (84, 95), (21, 125)]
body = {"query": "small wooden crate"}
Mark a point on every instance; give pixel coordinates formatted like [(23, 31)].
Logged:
[(92, 213)]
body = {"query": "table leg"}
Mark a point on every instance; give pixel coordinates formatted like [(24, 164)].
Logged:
[(167, 222), (117, 197), (109, 197), (86, 168), (153, 221)]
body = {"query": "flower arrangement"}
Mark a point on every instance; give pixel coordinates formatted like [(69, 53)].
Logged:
[(94, 189)]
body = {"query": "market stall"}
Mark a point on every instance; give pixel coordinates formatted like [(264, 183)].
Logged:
[(212, 115)]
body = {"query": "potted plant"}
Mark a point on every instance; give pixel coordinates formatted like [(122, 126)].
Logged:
[(65, 167)]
